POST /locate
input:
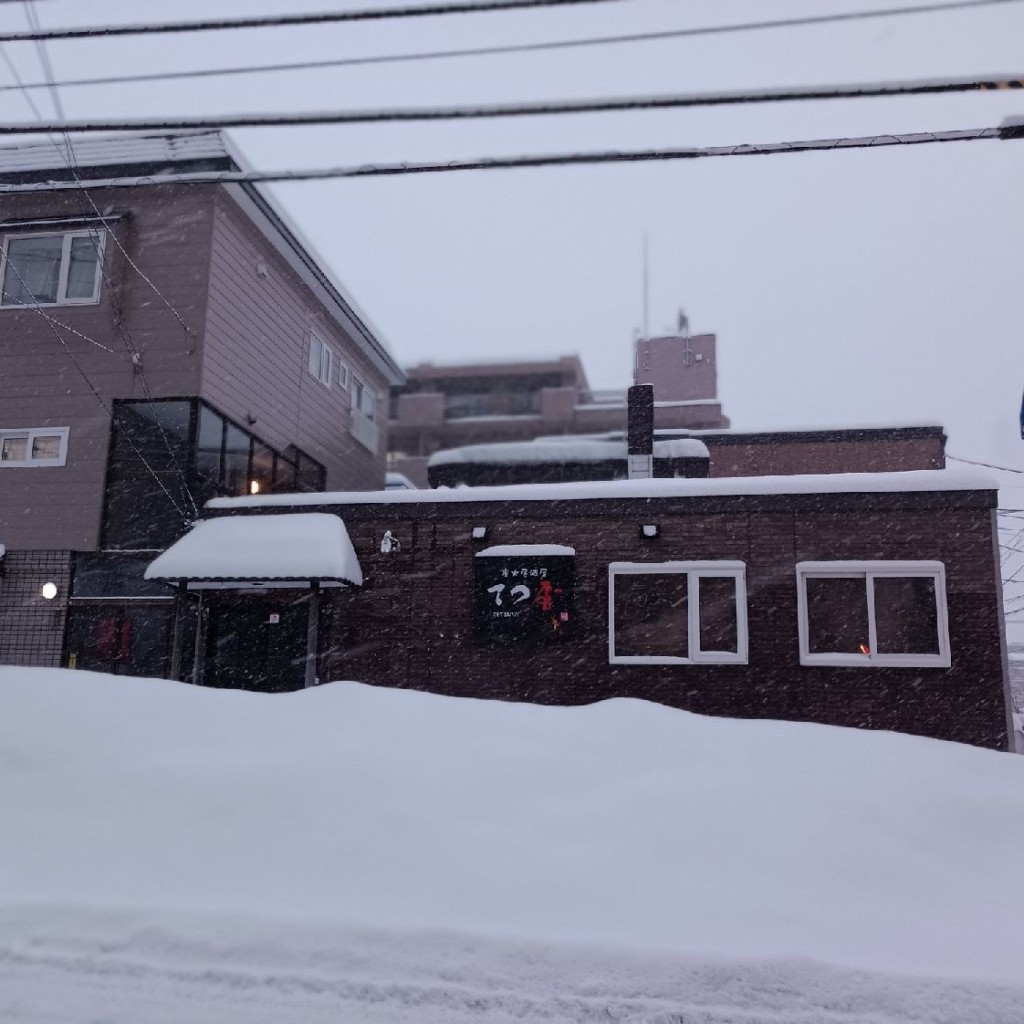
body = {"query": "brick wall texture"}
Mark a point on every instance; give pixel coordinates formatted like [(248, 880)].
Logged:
[(410, 625)]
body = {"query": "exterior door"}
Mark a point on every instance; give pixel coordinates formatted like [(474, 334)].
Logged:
[(257, 642)]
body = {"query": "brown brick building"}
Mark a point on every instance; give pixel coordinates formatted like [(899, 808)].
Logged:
[(870, 601)]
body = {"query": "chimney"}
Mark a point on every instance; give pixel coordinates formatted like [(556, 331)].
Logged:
[(640, 431)]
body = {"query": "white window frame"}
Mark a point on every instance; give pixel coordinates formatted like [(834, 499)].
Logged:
[(362, 427), (30, 433), (65, 266), (694, 571), (344, 374), (325, 375), (360, 387), (870, 571)]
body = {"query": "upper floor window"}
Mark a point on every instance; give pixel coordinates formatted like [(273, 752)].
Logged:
[(677, 613), (321, 359), (53, 269), (42, 446), (363, 399), (875, 613)]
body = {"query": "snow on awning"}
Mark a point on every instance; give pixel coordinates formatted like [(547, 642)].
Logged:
[(271, 550), (515, 550)]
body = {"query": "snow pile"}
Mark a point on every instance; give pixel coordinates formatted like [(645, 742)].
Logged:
[(623, 823)]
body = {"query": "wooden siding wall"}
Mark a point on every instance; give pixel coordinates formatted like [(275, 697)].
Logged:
[(409, 626), (166, 231), (256, 366)]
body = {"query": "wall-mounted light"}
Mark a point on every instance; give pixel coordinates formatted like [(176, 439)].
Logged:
[(649, 530), (254, 487), (389, 544), (49, 590), (479, 533)]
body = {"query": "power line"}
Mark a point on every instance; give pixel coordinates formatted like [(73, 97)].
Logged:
[(316, 18), (987, 465), (541, 160), (487, 51), (119, 317), (95, 391), (542, 108)]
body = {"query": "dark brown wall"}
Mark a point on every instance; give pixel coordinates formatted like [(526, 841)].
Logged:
[(167, 233), (777, 455), (257, 337), (410, 624)]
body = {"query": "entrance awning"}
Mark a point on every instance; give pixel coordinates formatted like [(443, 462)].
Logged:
[(242, 552)]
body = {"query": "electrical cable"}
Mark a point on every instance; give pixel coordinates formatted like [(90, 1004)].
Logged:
[(119, 318), (541, 160), (542, 108), (515, 48), (987, 465), (428, 10), (92, 387)]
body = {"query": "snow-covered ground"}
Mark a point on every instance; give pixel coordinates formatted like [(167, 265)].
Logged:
[(359, 854)]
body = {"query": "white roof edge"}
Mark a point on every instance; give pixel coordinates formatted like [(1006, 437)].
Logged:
[(327, 288), (259, 205), (528, 550), (923, 480)]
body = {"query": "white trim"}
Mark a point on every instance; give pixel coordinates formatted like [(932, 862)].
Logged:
[(30, 434), (870, 571), (344, 374), (694, 572), (65, 266), (531, 550)]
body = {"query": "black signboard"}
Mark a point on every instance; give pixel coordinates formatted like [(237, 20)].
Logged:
[(520, 597)]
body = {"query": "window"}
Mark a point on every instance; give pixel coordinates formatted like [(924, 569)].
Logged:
[(342, 374), (42, 446), (52, 269), (363, 399), (876, 613), (677, 613), (321, 359), (361, 417)]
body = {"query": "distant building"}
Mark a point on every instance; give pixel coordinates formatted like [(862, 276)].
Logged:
[(444, 407), (726, 454), (160, 345)]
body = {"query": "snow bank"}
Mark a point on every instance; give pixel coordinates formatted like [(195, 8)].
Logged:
[(623, 823)]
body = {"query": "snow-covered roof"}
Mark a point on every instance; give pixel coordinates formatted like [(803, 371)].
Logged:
[(824, 483), (295, 548), (112, 151), (569, 450), (518, 550)]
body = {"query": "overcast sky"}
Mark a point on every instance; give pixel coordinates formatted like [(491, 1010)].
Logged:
[(845, 288)]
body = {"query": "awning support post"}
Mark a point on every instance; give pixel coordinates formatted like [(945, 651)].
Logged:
[(199, 655), (312, 632), (179, 629)]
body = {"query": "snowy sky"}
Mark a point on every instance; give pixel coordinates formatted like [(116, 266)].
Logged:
[(845, 288)]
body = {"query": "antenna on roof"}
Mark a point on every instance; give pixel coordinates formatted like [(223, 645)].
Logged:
[(647, 290), (688, 355), (683, 324)]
